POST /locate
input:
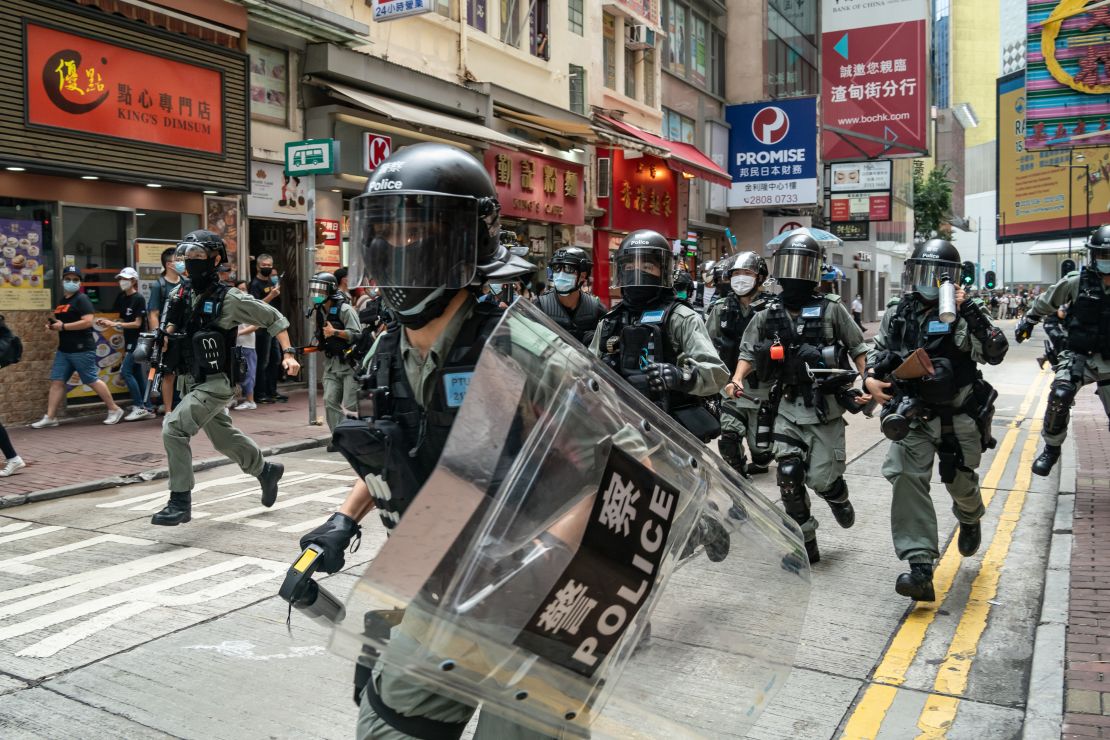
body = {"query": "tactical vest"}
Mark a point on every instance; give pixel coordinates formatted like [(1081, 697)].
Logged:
[(426, 430), (585, 318), (1088, 318), (733, 323), (207, 349), (632, 339), (802, 339), (333, 346), (906, 335)]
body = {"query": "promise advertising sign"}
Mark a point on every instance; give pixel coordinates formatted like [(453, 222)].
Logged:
[(84, 84)]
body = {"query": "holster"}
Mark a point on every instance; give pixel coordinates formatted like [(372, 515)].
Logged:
[(378, 448), (983, 396), (699, 421), (949, 452)]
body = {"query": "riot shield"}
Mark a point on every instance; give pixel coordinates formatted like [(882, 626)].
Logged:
[(537, 573)]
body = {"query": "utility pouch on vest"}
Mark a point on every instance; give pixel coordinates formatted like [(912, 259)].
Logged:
[(983, 396), (173, 359), (940, 388), (378, 448), (638, 348), (698, 421), (209, 354), (766, 369)]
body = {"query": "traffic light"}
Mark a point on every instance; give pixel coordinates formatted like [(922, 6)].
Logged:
[(967, 275), (989, 282), (1067, 266)]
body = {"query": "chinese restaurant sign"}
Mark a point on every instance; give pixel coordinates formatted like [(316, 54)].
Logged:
[(535, 187), (87, 85), (644, 195)]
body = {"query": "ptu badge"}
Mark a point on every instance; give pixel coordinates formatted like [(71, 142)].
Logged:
[(208, 307), (811, 312)]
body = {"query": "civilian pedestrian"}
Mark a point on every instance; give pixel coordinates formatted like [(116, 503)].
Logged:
[(11, 349), (173, 275), (132, 311), (266, 287), (857, 311), (73, 320)]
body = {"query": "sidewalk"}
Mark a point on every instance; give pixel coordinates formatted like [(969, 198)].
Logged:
[(85, 455), (1087, 675)]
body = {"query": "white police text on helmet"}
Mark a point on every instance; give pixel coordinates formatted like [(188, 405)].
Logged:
[(778, 156), (385, 185)]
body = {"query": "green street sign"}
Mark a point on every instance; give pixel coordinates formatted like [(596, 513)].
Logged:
[(311, 157)]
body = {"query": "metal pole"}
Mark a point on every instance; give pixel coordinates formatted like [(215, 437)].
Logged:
[(310, 263), (1070, 188), (1087, 196), (978, 250)]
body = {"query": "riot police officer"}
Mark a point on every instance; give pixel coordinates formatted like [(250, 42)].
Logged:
[(706, 291), (801, 331), (946, 414), (655, 340), (201, 350), (1087, 359), (727, 319), (337, 330), (567, 304)]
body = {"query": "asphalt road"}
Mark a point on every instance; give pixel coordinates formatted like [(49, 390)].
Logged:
[(137, 631)]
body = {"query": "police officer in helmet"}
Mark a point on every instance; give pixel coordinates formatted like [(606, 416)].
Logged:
[(203, 326), (800, 331), (1087, 359), (655, 340), (337, 330), (566, 303), (706, 291), (728, 317), (945, 414)]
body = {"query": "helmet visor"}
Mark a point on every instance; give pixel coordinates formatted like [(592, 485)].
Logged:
[(319, 289), (414, 240), (791, 264), (647, 267), (918, 274)]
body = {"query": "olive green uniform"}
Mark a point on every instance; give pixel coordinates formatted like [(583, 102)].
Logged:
[(737, 414), (340, 384), (1098, 368), (909, 463), (202, 404), (822, 446)]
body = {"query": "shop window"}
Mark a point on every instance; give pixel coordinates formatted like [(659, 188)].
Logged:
[(95, 240), (678, 127), (649, 77), (269, 84), (510, 22), (575, 17), (716, 63), (609, 50), (577, 78), (26, 249), (716, 139), (165, 224), (445, 8), (698, 57), (538, 28), (630, 73), (675, 23), (476, 14)]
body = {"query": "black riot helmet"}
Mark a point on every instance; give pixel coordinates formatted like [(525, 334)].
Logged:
[(322, 287), (427, 226), (709, 272), (576, 257), (799, 257), (210, 241), (721, 269), (643, 268), (1098, 249), (683, 285), (930, 261), (751, 262)]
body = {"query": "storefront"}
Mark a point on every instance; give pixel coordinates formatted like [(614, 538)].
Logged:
[(117, 135)]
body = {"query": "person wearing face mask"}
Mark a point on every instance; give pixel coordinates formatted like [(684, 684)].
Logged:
[(337, 329), (567, 305), (800, 330), (726, 322), (73, 320), (945, 413), (1087, 358), (655, 341), (173, 270), (705, 292), (266, 287), (497, 294), (205, 329), (132, 316)]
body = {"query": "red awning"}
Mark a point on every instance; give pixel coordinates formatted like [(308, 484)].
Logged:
[(685, 158)]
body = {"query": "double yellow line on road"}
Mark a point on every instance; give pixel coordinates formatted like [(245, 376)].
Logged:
[(868, 716)]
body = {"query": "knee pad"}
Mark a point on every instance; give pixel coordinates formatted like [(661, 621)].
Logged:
[(1058, 410), (792, 478), (731, 451), (838, 494)]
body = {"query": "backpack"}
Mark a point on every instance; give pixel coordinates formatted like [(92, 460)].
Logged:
[(11, 348)]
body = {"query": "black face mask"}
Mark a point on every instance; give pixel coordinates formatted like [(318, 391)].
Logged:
[(640, 296), (415, 307), (202, 272), (796, 293), (265, 271)]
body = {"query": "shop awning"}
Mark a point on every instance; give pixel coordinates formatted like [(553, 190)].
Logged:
[(1058, 246), (562, 127), (684, 158), (422, 117)]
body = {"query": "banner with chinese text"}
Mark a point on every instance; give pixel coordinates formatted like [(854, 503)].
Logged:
[(644, 195), (535, 187)]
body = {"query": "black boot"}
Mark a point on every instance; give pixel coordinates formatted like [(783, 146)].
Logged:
[(178, 510), (842, 509), (709, 533), (918, 583), (971, 536), (812, 552), (1046, 460), (333, 536), (269, 477), (755, 468)]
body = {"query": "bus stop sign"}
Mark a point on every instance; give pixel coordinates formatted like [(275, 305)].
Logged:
[(311, 157)]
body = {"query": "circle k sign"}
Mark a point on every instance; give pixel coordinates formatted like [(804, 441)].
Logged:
[(375, 150), (770, 125)]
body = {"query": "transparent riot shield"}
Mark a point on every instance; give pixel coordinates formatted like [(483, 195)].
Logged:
[(578, 563)]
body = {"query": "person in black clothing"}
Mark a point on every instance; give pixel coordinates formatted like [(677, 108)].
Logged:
[(73, 320), (10, 351), (132, 310), (266, 287), (566, 304)]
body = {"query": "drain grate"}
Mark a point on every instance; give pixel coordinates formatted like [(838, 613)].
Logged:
[(144, 457)]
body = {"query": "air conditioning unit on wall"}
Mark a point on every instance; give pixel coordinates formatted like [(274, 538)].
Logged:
[(640, 37)]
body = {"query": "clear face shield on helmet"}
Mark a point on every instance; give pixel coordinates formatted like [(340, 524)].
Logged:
[(924, 276), (1099, 258), (643, 267), (319, 290), (792, 263), (415, 240)]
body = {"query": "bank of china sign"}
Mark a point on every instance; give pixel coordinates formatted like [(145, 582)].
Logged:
[(773, 153)]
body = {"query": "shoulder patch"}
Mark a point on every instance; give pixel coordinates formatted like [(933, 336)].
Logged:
[(832, 297)]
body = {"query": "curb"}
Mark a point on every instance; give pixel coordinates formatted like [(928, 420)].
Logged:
[(1044, 702), (146, 476)]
